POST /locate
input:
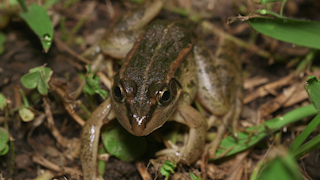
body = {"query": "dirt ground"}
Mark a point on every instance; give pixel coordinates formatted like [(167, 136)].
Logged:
[(36, 146)]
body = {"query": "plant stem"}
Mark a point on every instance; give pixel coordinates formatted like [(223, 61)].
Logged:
[(25, 101)]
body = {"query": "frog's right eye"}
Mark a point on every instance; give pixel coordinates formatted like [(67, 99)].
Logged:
[(118, 93)]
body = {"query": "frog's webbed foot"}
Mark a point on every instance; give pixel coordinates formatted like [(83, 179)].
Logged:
[(233, 115), (172, 153)]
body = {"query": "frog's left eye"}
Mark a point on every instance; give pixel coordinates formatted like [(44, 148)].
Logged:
[(168, 93), (118, 93), (164, 96)]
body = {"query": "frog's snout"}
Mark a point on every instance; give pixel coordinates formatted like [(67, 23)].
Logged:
[(138, 124)]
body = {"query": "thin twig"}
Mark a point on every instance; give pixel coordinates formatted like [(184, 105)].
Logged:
[(210, 28), (63, 47)]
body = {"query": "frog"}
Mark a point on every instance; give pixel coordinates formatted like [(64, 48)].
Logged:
[(166, 68)]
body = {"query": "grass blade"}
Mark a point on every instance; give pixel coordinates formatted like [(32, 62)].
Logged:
[(246, 140)]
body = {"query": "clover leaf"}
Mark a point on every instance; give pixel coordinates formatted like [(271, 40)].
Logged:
[(37, 78)]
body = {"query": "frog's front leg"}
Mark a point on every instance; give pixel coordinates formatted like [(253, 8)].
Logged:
[(90, 138), (189, 116)]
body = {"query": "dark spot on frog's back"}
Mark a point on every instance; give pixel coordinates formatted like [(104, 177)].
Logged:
[(210, 69), (191, 84), (167, 45), (185, 63), (178, 73), (226, 57), (153, 46)]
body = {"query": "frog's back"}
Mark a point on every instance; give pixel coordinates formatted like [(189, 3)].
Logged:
[(158, 54)]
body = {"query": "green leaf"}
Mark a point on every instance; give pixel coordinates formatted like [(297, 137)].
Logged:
[(39, 21), (305, 133), (300, 32), (284, 168), (167, 169), (45, 72), (92, 84), (313, 88), (4, 138), (30, 80), (2, 101), (26, 114), (38, 77), (2, 41), (194, 177), (246, 140), (101, 163), (122, 144), (307, 147), (5, 150), (42, 86)]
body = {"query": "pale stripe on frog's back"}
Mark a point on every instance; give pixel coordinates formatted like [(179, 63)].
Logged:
[(162, 48)]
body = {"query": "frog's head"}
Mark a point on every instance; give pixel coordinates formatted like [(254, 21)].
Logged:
[(141, 109)]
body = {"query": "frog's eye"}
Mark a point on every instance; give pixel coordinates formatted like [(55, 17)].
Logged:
[(168, 93), (164, 96), (118, 93)]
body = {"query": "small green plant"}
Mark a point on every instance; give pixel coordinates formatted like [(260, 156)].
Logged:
[(25, 113), (285, 166), (4, 138), (3, 101), (296, 149), (167, 169), (2, 41), (120, 143), (245, 139), (37, 78), (281, 166), (194, 177), (92, 84)]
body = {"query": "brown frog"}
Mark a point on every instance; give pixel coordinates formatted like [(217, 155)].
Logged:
[(166, 67)]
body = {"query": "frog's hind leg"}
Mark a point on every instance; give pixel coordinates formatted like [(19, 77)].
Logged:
[(220, 87), (230, 118)]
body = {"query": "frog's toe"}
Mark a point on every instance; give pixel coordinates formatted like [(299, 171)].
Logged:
[(173, 153)]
